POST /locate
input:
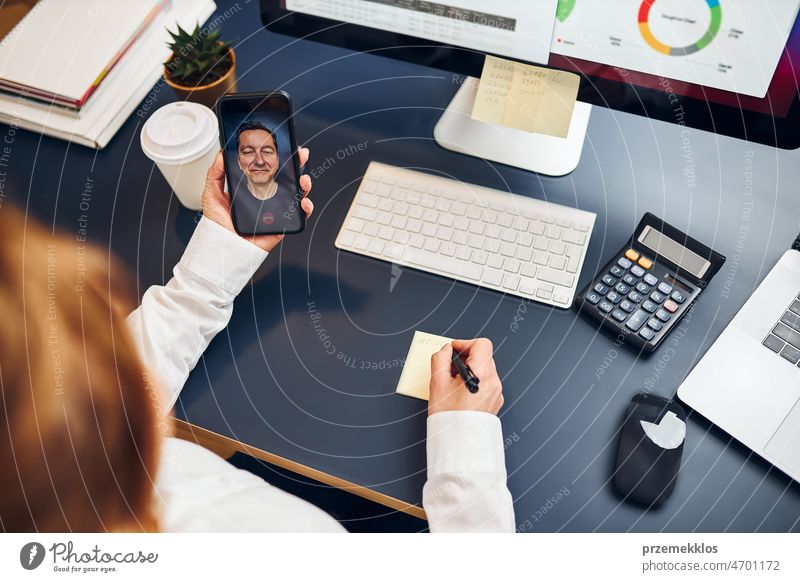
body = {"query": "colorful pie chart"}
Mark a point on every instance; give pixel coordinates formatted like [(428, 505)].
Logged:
[(704, 41)]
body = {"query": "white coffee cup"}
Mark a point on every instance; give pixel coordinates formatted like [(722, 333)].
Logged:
[(182, 138)]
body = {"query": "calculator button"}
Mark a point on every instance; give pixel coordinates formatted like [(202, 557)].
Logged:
[(678, 297), (663, 315), (656, 297), (601, 289), (632, 255), (593, 298), (630, 280), (664, 288), (670, 306), (649, 306), (650, 279), (643, 289), (619, 315), (635, 296), (609, 280), (622, 288), (627, 306), (614, 297), (624, 263), (654, 324), (617, 272), (605, 306), (645, 263), (637, 320), (637, 270), (647, 333)]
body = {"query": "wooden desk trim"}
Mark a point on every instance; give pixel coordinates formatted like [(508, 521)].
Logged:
[(216, 441)]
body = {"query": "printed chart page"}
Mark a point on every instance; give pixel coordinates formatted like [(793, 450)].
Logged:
[(522, 29), (732, 45)]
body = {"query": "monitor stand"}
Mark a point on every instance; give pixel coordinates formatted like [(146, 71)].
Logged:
[(553, 156)]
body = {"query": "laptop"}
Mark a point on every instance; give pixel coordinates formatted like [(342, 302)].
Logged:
[(748, 383)]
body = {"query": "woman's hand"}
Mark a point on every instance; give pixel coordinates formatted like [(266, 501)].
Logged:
[(217, 202)]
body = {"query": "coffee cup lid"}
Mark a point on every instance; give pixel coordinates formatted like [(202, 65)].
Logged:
[(179, 133)]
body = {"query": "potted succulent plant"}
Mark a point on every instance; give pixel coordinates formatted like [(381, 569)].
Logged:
[(201, 67)]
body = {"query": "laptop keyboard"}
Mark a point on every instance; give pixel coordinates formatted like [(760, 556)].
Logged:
[(784, 339)]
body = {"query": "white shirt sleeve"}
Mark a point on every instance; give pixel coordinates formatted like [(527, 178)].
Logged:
[(175, 322), (466, 488)]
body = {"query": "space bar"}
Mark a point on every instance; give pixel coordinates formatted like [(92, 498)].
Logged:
[(443, 264)]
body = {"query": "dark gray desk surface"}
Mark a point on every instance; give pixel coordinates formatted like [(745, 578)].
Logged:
[(270, 381)]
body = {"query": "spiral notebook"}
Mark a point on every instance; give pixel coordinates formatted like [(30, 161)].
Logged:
[(61, 50)]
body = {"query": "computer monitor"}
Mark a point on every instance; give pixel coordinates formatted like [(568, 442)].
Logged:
[(725, 81)]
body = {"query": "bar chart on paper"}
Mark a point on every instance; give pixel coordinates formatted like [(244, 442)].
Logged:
[(732, 45)]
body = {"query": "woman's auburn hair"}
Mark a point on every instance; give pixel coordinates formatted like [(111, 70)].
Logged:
[(81, 421)]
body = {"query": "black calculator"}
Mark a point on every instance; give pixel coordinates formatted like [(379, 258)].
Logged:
[(646, 288)]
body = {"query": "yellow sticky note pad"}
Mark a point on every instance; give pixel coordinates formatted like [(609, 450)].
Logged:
[(415, 379), (526, 97)]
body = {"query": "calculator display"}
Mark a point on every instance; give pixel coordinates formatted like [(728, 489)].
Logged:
[(674, 251)]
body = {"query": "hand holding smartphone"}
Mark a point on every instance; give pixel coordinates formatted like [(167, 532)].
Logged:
[(261, 163)]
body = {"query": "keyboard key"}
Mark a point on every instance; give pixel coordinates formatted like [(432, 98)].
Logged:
[(432, 245), (572, 264), (650, 279), (509, 236), (444, 264), (495, 262), (665, 288), (511, 282), (561, 298), (348, 238), (527, 287), (556, 277), (609, 280), (524, 254), (787, 334), (678, 297), (663, 315), (795, 307), (554, 231), (637, 320), (622, 288), (541, 243), (508, 250), (447, 249), (627, 306), (393, 251), (371, 229), (656, 297), (558, 247), (544, 293), (790, 353), (511, 265), (557, 262), (376, 246), (774, 343), (632, 255), (540, 258), (619, 315), (649, 306), (528, 270), (629, 280), (614, 297), (624, 263), (576, 238), (605, 306), (655, 324), (480, 257), (491, 277)]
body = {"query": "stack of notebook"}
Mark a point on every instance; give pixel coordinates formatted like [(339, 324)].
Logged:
[(76, 69)]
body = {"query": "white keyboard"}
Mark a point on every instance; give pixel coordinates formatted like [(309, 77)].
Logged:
[(495, 239)]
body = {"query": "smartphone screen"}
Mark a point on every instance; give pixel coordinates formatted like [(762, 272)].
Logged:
[(261, 166)]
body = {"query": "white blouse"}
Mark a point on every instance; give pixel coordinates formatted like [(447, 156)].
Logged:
[(199, 491)]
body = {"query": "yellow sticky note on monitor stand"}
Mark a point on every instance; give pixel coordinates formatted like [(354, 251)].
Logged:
[(526, 97), (415, 379)]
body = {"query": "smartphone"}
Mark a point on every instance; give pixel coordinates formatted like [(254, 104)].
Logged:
[(261, 166)]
